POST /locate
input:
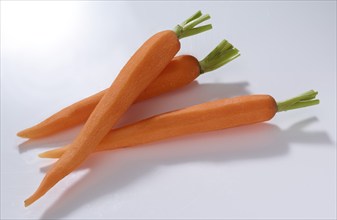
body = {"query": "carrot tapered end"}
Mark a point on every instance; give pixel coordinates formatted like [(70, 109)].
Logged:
[(30, 201), (44, 155), (37, 195), (48, 154), (55, 153), (41, 190), (23, 134)]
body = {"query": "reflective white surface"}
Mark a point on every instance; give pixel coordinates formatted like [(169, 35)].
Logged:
[(55, 53)]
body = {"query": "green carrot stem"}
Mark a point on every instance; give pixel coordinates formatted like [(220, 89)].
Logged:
[(195, 31), (188, 27), (222, 46), (303, 104), (223, 53), (193, 17), (197, 21), (304, 100)]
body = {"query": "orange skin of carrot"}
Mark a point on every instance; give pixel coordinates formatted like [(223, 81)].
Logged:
[(209, 116), (142, 68), (179, 72)]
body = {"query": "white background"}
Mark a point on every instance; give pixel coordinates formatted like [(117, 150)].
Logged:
[(55, 53)]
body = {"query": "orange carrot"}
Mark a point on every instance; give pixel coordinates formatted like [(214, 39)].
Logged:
[(209, 116), (142, 68), (179, 72)]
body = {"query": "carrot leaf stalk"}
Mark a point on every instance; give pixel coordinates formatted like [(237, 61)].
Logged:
[(304, 100), (188, 27), (219, 56)]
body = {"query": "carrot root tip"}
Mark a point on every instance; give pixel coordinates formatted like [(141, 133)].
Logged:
[(27, 203), (22, 134)]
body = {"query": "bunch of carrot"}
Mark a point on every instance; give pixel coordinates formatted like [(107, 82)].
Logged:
[(151, 71)]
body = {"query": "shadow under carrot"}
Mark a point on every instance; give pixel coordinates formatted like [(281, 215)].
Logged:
[(253, 142)]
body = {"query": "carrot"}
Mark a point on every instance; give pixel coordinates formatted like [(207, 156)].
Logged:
[(179, 72), (142, 68), (209, 116)]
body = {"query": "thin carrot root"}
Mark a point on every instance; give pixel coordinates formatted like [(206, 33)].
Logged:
[(119, 138), (55, 153), (301, 101), (151, 58)]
